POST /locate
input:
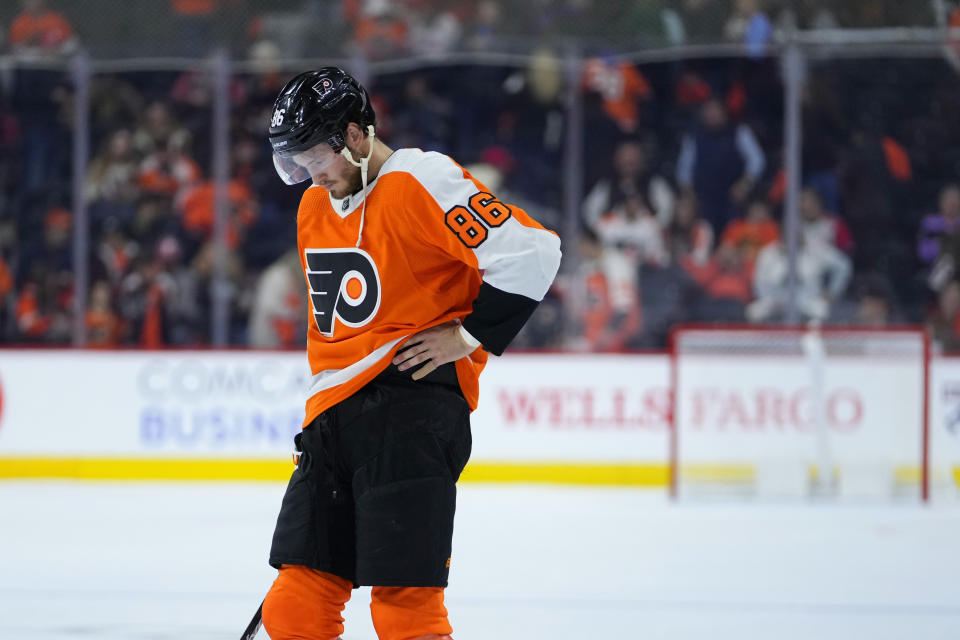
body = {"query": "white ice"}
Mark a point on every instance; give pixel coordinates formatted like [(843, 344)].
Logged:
[(91, 561)]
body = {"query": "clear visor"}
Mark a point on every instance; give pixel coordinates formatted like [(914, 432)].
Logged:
[(301, 167)]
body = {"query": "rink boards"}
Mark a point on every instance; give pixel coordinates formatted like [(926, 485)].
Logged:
[(208, 415)]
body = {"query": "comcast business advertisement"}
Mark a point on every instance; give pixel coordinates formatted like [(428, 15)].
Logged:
[(127, 403)]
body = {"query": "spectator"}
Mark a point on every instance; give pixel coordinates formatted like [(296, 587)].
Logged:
[(820, 225), (380, 32), (154, 216), (115, 253), (167, 172), (621, 87), (602, 298), (111, 187), (434, 30), (115, 103), (41, 99), (691, 92), (181, 295), (936, 226), (748, 235), (944, 322), (487, 22), (103, 324), (875, 303), (52, 252), (278, 309), (40, 32), (7, 300), (6, 281), (144, 293), (725, 283), (632, 177), (197, 210), (689, 237), (233, 290), (633, 230), (43, 306), (158, 130), (749, 25), (721, 162), (823, 273)]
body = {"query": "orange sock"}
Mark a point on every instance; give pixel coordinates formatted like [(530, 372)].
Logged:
[(405, 613), (305, 604)]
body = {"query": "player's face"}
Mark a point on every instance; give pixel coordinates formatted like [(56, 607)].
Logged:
[(330, 170)]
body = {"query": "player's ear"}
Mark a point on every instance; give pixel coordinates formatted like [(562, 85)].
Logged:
[(354, 134)]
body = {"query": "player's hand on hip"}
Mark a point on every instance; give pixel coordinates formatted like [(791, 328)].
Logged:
[(434, 346)]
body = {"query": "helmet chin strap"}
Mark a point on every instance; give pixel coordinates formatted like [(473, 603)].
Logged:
[(363, 164)]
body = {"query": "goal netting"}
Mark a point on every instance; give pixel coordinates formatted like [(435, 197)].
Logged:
[(800, 412)]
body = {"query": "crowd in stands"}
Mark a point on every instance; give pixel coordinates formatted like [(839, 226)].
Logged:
[(379, 29), (682, 219), (685, 223)]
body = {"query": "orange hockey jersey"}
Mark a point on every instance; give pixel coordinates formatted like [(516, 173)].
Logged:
[(434, 245)]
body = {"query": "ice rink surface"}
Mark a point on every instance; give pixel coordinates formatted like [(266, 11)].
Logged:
[(101, 561)]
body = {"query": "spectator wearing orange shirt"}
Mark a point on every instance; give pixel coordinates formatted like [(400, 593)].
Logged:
[(168, 172), (380, 31), (6, 287), (41, 32), (749, 234), (726, 284), (43, 307), (621, 87), (6, 279), (197, 210)]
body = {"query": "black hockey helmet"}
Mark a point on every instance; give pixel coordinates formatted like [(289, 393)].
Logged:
[(315, 107)]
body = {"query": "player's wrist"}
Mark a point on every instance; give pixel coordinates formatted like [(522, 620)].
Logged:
[(467, 339)]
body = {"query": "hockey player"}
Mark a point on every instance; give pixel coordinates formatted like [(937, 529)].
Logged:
[(415, 273)]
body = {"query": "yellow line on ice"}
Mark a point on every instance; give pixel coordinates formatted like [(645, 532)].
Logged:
[(268, 470)]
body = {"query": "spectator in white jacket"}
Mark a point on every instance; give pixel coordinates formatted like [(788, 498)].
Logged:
[(823, 273), (633, 230)]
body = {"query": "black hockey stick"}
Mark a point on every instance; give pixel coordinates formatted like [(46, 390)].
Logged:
[(254, 627)]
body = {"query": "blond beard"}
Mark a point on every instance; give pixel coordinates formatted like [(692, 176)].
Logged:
[(354, 184)]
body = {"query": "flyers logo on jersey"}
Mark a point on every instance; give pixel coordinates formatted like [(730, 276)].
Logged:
[(344, 286)]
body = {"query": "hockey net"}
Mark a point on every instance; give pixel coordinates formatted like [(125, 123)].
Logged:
[(799, 412)]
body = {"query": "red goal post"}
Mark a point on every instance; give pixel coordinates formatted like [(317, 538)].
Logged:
[(793, 411)]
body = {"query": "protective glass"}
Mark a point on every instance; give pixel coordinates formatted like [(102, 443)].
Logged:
[(301, 166)]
